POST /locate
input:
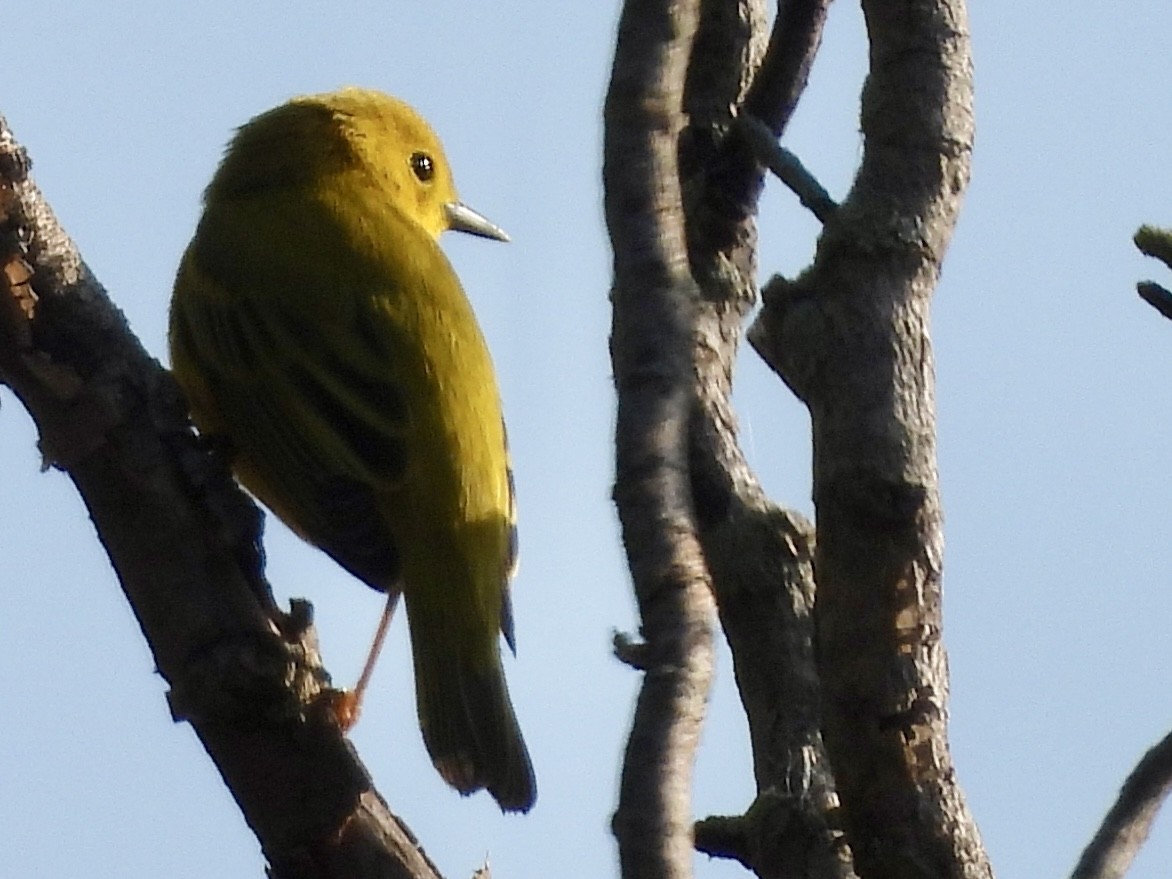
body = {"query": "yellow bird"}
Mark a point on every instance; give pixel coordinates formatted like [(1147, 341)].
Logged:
[(318, 328)]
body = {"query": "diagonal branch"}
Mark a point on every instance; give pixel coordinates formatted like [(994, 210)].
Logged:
[(653, 298), (1126, 827), (1159, 298), (782, 77), (184, 542), (1155, 242), (787, 168)]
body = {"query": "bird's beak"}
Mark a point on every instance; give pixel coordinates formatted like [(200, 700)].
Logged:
[(463, 219)]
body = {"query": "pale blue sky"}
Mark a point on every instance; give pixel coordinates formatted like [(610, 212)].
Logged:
[(1053, 396)]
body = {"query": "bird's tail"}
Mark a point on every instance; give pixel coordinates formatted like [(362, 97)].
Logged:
[(467, 719)]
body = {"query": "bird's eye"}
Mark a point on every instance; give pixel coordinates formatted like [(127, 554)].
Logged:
[(422, 166)]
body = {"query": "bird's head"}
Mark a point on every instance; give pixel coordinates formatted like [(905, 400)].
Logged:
[(353, 130)]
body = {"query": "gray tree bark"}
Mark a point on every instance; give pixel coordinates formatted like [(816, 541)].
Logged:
[(841, 672)]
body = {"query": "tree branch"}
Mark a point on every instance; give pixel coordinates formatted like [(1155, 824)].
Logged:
[(1159, 298), (184, 542), (759, 555), (787, 168), (1126, 827), (850, 338), (1157, 243), (653, 298), (782, 77)]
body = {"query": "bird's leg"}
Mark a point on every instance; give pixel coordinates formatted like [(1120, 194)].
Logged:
[(348, 704), (376, 646)]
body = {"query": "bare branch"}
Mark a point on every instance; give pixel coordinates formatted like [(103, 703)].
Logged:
[(759, 556), (184, 542), (782, 77), (1156, 296), (788, 168), (653, 298), (779, 837), (1157, 243), (850, 337), (1126, 827)]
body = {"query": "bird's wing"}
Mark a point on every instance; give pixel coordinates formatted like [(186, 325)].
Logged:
[(310, 405)]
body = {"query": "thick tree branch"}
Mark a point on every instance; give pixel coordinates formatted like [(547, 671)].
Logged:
[(185, 545), (850, 337), (1126, 827), (653, 299), (759, 556)]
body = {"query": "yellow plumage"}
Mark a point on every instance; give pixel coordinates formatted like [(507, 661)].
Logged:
[(318, 327)]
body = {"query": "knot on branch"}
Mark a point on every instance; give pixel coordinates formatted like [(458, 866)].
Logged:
[(74, 414), (761, 550), (254, 678), (781, 834), (790, 333), (876, 502), (652, 661), (631, 651)]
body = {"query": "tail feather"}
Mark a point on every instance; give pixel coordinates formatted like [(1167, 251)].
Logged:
[(469, 726)]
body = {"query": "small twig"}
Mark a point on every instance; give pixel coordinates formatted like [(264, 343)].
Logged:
[(630, 651), (1126, 827), (725, 837), (1157, 243), (1156, 296), (788, 168)]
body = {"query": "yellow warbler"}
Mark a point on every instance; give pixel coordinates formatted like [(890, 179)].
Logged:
[(317, 326)]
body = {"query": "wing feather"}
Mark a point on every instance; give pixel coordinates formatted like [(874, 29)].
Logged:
[(318, 422)]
